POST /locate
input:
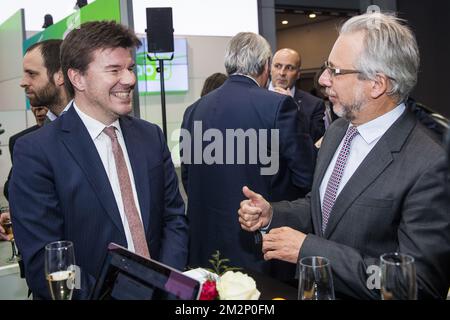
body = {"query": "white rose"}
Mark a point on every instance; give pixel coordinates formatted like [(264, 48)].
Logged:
[(237, 286)]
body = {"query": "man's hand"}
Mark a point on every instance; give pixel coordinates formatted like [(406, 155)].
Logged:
[(286, 92), (4, 216), (255, 212), (283, 244)]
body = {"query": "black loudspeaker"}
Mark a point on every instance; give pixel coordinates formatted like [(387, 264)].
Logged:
[(159, 30)]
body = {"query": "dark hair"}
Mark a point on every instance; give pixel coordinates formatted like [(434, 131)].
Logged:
[(50, 51), (213, 82), (80, 43)]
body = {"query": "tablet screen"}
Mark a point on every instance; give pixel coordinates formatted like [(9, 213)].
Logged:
[(128, 276)]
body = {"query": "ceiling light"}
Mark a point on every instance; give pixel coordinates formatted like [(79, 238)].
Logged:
[(312, 15), (284, 22)]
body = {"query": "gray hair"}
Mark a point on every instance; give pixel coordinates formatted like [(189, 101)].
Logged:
[(390, 48), (247, 53)]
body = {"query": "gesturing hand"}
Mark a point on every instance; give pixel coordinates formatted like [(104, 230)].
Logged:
[(255, 212)]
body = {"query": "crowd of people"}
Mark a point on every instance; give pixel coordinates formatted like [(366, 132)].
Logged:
[(375, 180)]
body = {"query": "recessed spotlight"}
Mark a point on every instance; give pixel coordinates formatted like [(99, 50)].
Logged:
[(284, 22), (312, 15)]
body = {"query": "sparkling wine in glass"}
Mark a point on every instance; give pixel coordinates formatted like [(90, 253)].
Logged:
[(60, 269), (315, 279)]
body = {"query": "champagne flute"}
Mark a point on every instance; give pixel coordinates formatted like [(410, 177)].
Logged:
[(315, 281), (60, 269), (398, 277)]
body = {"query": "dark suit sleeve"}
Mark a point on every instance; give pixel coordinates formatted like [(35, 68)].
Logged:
[(424, 232), (295, 214), (184, 165), (317, 121), (174, 240), (295, 144), (37, 216), (12, 141), (35, 211), (6, 185)]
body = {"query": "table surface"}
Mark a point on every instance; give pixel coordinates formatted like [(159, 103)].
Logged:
[(271, 288)]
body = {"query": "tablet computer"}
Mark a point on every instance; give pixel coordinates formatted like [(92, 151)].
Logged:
[(128, 276)]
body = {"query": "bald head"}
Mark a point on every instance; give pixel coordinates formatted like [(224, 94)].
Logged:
[(285, 68)]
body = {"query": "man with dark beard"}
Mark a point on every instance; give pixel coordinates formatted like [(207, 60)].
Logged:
[(43, 79), (43, 82)]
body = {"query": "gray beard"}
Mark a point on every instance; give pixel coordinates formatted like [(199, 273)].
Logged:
[(350, 111)]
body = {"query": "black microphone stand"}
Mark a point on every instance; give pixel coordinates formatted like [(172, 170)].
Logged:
[(160, 70)]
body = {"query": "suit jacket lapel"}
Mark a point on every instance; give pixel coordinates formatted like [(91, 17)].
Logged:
[(139, 165), (378, 159), (298, 97), (80, 145)]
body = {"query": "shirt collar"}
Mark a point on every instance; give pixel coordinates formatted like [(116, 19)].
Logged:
[(53, 116), (375, 128), (93, 126)]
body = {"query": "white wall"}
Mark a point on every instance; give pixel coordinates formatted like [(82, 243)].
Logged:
[(193, 17), (202, 17)]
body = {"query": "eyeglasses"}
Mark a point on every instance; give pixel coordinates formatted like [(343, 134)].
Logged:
[(338, 71)]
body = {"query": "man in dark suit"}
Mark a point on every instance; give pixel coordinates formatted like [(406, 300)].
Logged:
[(96, 175), (240, 118), (285, 71), (43, 82), (380, 179), (40, 116)]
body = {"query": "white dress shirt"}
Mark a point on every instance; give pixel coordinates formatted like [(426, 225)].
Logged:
[(369, 134), (104, 148)]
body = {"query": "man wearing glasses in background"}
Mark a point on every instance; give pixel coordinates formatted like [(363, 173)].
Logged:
[(380, 179)]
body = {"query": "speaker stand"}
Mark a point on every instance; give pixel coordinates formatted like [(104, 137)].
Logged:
[(160, 70)]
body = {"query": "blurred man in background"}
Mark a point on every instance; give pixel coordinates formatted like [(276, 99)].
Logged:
[(241, 105), (285, 71)]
